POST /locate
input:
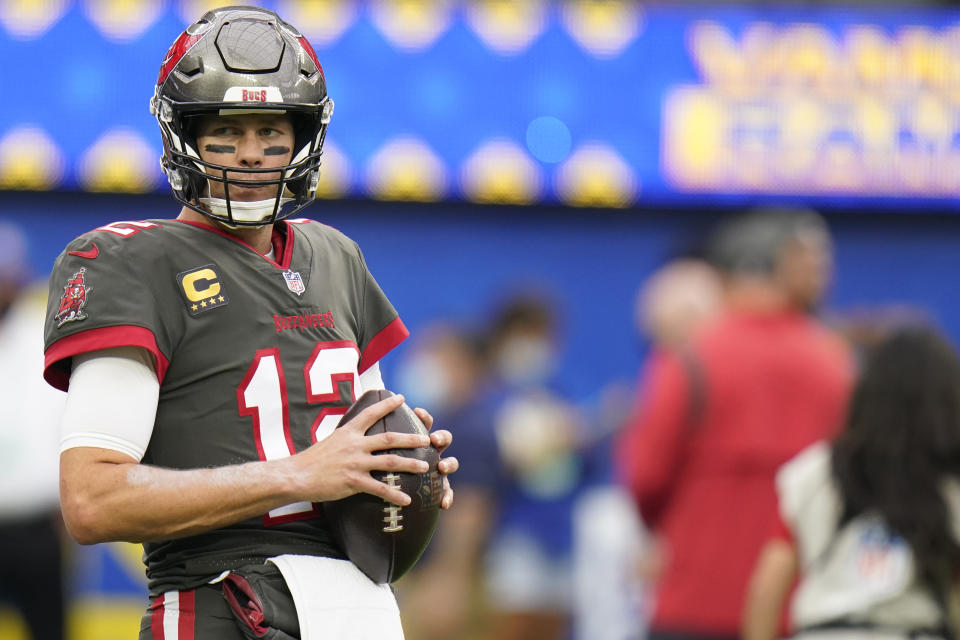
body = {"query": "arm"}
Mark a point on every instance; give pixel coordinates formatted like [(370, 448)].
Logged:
[(107, 494), (649, 451), (768, 589)]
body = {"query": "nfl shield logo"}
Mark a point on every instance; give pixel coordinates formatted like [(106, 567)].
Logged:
[(294, 282)]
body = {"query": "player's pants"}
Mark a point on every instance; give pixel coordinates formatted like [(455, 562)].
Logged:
[(197, 614), (259, 607), (254, 602)]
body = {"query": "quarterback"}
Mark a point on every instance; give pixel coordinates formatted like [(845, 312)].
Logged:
[(209, 358)]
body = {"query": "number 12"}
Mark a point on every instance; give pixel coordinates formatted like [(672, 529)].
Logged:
[(263, 396)]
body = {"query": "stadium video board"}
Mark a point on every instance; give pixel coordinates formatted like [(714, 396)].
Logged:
[(578, 102)]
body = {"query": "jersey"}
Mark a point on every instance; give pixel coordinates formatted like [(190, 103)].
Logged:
[(257, 358)]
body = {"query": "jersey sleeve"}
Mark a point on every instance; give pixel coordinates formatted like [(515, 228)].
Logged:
[(381, 328), (99, 298)]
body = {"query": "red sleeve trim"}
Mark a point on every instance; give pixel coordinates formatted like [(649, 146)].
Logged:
[(381, 344), (56, 370)]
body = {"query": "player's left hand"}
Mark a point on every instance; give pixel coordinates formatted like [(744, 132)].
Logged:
[(441, 439)]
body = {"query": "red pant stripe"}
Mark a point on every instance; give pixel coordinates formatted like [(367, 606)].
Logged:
[(188, 614), (156, 620), (174, 615)]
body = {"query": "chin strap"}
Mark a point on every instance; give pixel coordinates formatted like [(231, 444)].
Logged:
[(244, 211)]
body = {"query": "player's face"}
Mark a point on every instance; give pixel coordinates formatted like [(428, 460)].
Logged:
[(249, 141)]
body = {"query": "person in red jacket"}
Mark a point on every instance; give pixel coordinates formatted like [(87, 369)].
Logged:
[(717, 416)]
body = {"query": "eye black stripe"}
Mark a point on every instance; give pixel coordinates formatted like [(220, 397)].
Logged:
[(220, 148), (276, 151)]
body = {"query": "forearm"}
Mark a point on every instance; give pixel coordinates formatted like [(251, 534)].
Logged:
[(108, 495), (761, 619), (106, 500), (768, 590)]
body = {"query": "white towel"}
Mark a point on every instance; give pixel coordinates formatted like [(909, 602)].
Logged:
[(334, 599)]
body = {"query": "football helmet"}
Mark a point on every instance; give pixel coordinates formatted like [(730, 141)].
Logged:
[(237, 60)]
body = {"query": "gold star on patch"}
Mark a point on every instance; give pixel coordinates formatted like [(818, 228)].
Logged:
[(203, 303), (194, 307), (220, 298), (213, 301)]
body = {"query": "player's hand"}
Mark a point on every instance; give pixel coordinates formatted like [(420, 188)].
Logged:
[(339, 465), (441, 439)]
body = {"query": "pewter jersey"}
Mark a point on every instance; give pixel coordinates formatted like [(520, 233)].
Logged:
[(257, 358)]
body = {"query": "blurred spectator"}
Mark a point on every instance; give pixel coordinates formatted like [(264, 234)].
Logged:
[(441, 598), (614, 553), (676, 299), (529, 563), (30, 527), (871, 522), (716, 418), (517, 442)]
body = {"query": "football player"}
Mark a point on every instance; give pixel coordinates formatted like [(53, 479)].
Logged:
[(208, 359)]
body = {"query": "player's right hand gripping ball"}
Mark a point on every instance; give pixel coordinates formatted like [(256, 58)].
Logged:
[(382, 539)]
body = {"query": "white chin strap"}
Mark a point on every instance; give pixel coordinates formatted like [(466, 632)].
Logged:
[(244, 211)]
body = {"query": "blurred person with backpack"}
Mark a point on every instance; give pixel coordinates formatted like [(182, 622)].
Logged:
[(871, 520), (716, 418)]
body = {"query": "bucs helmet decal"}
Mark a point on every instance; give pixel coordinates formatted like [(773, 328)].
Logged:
[(237, 60)]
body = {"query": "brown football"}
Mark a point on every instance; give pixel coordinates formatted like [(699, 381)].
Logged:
[(382, 539)]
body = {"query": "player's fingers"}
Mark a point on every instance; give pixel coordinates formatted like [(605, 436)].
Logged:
[(386, 492), (425, 417), (400, 464), (441, 439), (447, 501), (394, 440), (363, 420), (448, 466)]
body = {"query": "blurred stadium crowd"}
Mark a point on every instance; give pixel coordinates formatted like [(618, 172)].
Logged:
[(624, 381)]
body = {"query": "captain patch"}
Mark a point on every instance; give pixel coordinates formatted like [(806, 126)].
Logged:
[(202, 289)]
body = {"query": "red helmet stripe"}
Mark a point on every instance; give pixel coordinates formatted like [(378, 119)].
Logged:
[(313, 56), (176, 51)]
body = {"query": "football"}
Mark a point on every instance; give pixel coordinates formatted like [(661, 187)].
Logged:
[(382, 539)]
